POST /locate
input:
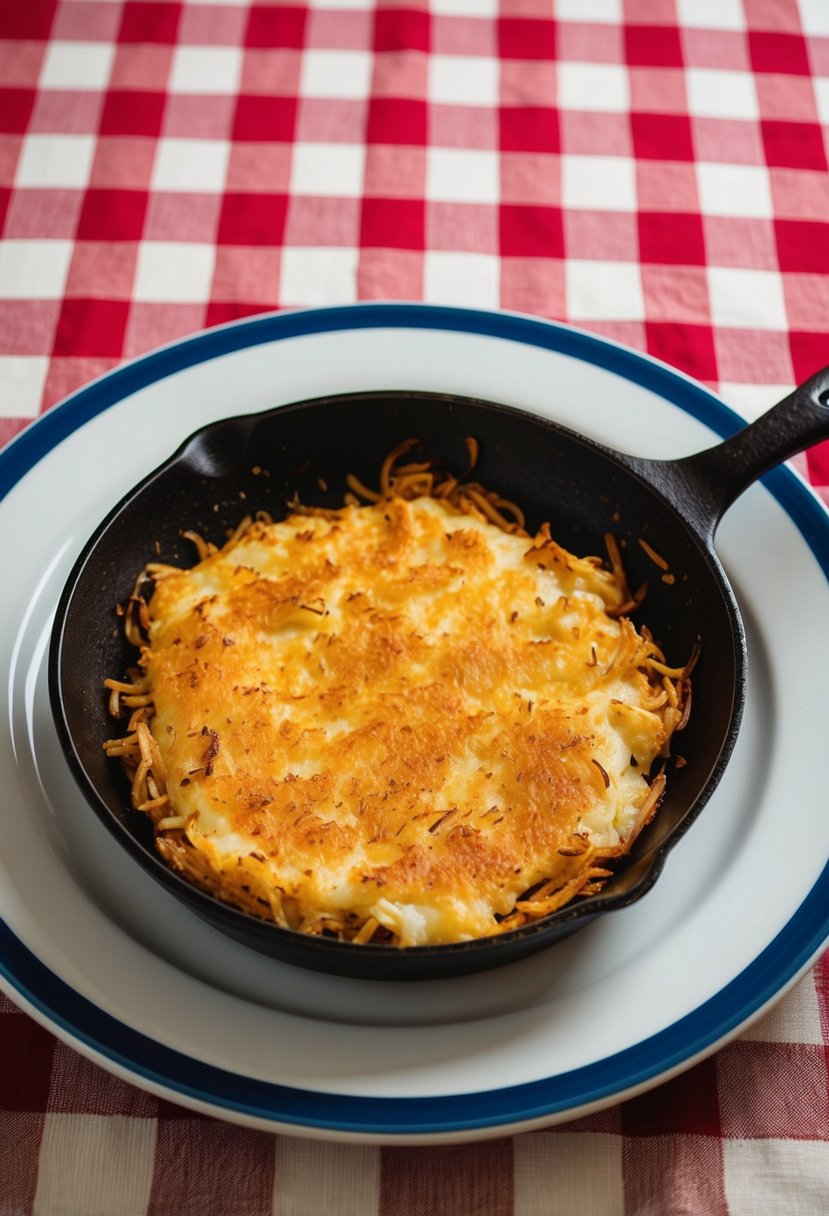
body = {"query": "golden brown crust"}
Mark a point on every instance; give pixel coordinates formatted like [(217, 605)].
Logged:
[(402, 714)]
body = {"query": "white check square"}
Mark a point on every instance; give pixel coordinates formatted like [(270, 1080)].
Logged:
[(170, 272), (604, 291), (34, 270), (342, 74), (713, 14), (598, 183), (814, 17), (196, 166), (55, 162), (463, 80), (77, 65), (746, 299), (741, 190), (604, 11), (561, 1165), (713, 93), (123, 1149), (789, 1174), (459, 8), (206, 69), (314, 275), (22, 379), (328, 169), (821, 87), (795, 1019), (462, 175), (602, 87), (464, 279)]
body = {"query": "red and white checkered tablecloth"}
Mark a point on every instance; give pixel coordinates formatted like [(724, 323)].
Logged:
[(652, 170)]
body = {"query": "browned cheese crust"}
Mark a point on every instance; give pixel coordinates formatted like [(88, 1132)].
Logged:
[(393, 721)]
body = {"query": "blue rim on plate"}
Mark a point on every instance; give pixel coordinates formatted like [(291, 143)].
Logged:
[(788, 954)]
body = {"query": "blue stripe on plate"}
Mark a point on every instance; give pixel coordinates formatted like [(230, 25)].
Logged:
[(792, 949)]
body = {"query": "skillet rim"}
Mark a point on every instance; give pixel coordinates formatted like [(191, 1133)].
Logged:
[(386, 962)]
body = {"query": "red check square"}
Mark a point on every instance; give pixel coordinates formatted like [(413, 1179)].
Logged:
[(252, 219), (794, 145), (817, 463), (529, 231), (802, 245), (397, 120), (265, 118), (219, 312), (687, 1106), (400, 29), (669, 237), (662, 136), (774, 51), (16, 107), (112, 215), (129, 112), (32, 19), (393, 223), (688, 347), (526, 38), (29, 1051), (281, 26), (91, 327), (529, 129), (810, 352), (653, 46), (144, 21)]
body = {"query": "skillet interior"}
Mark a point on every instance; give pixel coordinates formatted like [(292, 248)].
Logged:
[(260, 461)]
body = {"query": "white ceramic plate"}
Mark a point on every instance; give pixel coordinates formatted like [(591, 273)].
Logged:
[(107, 960)]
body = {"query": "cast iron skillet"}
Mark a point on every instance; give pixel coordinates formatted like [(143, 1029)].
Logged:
[(582, 488)]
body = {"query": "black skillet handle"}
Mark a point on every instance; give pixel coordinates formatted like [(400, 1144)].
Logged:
[(704, 485)]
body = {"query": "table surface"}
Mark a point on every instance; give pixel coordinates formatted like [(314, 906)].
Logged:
[(652, 170)]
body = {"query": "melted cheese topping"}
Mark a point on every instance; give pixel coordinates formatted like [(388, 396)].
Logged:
[(399, 715)]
